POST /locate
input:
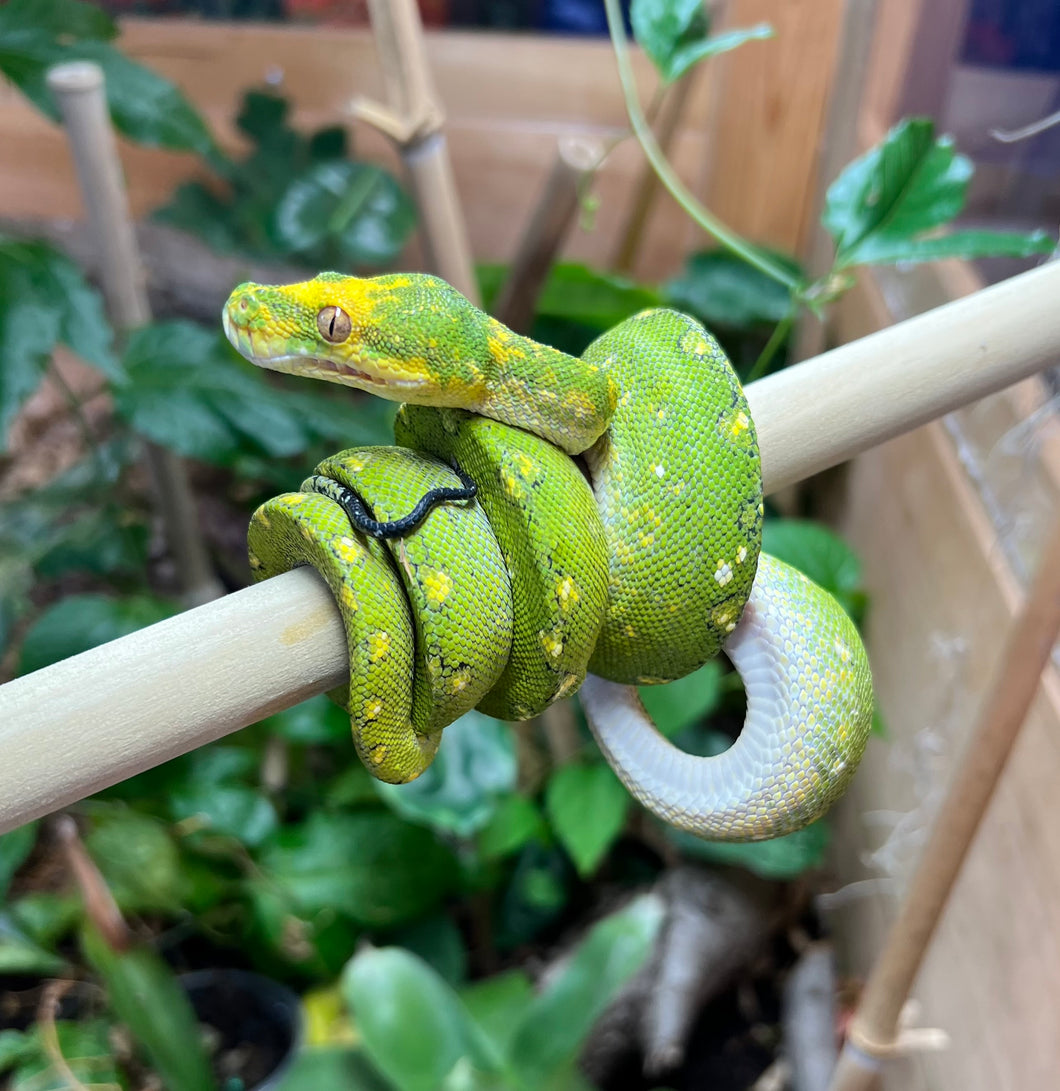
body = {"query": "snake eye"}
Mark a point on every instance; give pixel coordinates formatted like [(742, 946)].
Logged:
[(334, 324)]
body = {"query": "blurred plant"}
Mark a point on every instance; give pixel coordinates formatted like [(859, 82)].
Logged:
[(296, 196), (418, 1033)]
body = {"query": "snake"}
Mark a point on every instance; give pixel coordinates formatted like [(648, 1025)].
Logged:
[(548, 524)]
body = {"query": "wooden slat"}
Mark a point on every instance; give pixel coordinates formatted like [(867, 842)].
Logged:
[(942, 596), (507, 98)]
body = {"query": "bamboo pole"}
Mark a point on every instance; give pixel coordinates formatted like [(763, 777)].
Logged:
[(413, 119), (99, 717), (576, 160), (78, 88), (873, 1036)]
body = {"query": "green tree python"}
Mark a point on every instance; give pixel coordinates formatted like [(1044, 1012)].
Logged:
[(548, 524)]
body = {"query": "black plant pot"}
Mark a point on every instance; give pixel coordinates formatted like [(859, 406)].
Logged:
[(258, 1023)]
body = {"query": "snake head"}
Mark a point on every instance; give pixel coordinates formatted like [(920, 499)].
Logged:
[(387, 335)]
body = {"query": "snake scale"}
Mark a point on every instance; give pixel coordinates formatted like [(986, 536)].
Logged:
[(593, 519)]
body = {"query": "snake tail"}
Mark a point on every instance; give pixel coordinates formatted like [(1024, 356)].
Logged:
[(809, 711)]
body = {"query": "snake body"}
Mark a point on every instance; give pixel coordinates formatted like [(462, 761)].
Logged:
[(615, 537)]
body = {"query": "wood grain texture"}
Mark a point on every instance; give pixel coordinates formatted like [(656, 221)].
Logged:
[(507, 99), (943, 597)]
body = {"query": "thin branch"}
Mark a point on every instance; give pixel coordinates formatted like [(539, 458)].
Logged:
[(683, 196)]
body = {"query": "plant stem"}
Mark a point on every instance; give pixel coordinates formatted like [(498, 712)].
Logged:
[(776, 339), (644, 135)]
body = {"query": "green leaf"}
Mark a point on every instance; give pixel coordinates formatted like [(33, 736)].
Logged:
[(15, 848), (439, 942), (331, 1069), (535, 895), (498, 1005), (20, 954), (144, 994), (587, 807), (44, 301), (721, 289), (195, 208), (822, 555), (779, 859), (36, 34), (414, 1028), (674, 34), (685, 702), (601, 300), (690, 54), (237, 810), (85, 1047), (458, 793), (378, 869), (80, 622), (356, 208), (281, 936), (515, 821), (45, 917), (911, 183), (317, 720), (138, 859), (557, 1022), (15, 1046), (957, 244)]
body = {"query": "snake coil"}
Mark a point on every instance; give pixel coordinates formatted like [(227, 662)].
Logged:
[(631, 564)]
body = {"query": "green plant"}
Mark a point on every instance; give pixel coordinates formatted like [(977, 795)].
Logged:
[(294, 195)]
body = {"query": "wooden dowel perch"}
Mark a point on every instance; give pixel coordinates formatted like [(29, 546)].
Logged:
[(873, 1035), (78, 88), (414, 120), (99, 717)]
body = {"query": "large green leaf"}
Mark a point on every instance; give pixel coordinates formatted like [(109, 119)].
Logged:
[(912, 182), (459, 792), (44, 301), (21, 953), (356, 211), (721, 289), (235, 810), (822, 555), (674, 33), (515, 821), (80, 622), (144, 994), (36, 34), (498, 1005), (317, 720), (187, 389), (587, 807), (371, 865), (557, 1022), (413, 1026)]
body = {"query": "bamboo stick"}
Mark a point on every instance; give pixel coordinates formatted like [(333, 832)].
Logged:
[(99, 717), (78, 88), (577, 158), (413, 119), (873, 1030)]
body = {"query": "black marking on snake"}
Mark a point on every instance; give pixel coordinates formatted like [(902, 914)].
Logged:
[(363, 518)]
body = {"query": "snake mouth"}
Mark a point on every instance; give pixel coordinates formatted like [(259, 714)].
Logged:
[(249, 344)]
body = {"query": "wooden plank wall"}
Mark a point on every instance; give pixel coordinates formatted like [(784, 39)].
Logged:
[(943, 596), (746, 144)]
